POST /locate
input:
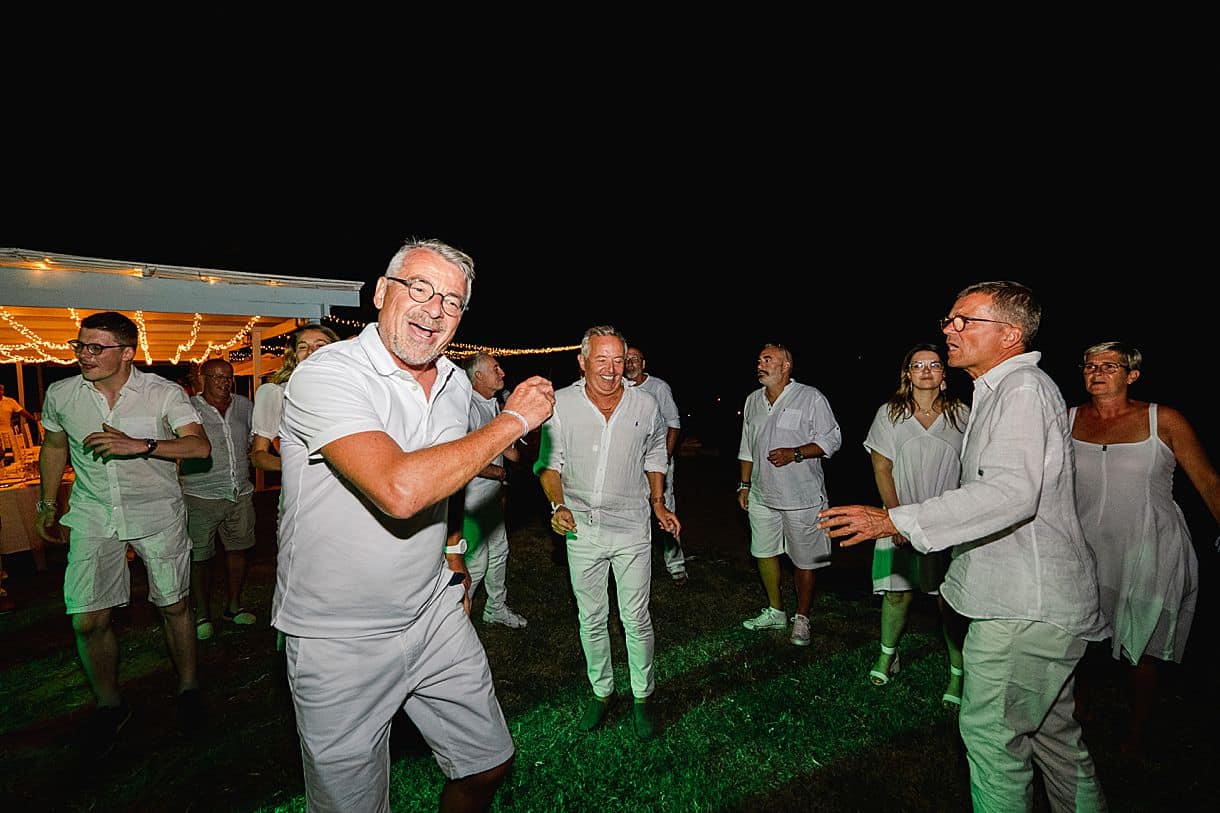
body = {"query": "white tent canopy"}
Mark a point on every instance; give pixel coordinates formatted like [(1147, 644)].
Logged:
[(185, 312)]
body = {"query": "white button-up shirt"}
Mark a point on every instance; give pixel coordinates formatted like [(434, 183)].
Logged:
[(225, 474), (602, 463), (130, 497), (1018, 548), (344, 568), (800, 415)]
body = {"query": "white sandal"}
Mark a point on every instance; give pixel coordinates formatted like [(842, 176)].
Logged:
[(952, 701), (881, 678)]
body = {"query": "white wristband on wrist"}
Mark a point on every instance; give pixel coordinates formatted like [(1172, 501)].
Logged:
[(525, 425)]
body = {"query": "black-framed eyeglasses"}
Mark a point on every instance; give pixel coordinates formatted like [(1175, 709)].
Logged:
[(1107, 367), (931, 365), (959, 322), (93, 348), (422, 291)]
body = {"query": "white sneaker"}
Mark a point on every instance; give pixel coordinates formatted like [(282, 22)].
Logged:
[(505, 618), (769, 619), (800, 630)]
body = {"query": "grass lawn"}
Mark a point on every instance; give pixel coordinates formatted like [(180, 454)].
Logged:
[(749, 722)]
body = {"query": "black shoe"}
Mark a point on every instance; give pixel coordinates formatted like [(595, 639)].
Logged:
[(645, 726), (103, 728), (595, 712), (191, 711)]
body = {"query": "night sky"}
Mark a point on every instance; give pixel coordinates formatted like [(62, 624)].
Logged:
[(848, 259)]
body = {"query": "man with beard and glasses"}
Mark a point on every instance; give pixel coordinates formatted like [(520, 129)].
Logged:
[(371, 588)]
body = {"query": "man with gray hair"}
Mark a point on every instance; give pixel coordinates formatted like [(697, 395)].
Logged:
[(601, 463), (483, 499), (371, 585), (1021, 569)]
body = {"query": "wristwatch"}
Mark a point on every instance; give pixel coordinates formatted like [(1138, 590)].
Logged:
[(152, 445), (460, 547), (796, 454)]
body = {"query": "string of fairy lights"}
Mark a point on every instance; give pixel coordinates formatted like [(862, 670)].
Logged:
[(36, 350)]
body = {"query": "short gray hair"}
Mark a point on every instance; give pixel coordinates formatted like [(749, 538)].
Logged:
[(443, 250), (1128, 354), (1014, 303), (586, 341)]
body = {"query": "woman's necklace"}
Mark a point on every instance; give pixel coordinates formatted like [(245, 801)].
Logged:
[(923, 411)]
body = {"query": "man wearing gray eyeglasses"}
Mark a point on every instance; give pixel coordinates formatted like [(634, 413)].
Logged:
[(1021, 569), (124, 431)]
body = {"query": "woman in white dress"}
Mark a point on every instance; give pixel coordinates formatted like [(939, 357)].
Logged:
[(915, 442), (269, 405), (1147, 572)]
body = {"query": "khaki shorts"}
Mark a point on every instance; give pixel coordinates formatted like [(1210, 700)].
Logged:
[(98, 576), (231, 520)]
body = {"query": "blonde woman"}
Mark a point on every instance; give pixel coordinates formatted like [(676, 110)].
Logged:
[(1147, 571), (915, 442), (269, 398), (269, 405)]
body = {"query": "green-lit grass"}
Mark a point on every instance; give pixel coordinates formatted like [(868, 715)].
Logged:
[(749, 722)]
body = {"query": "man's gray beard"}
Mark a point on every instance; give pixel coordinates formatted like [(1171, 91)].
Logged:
[(404, 355)]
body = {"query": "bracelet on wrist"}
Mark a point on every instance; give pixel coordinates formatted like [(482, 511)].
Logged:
[(656, 499), (43, 506), (555, 506), (525, 425), (743, 485)]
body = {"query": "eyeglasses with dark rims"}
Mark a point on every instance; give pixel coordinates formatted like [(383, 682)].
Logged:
[(422, 291), (92, 348), (959, 322), (935, 366)]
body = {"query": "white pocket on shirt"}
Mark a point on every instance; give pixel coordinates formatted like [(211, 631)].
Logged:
[(789, 419), (140, 427)]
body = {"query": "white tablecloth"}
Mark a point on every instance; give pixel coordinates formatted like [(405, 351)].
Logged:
[(17, 514)]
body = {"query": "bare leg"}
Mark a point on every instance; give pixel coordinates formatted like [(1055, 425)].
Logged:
[(180, 638), (895, 605), (201, 588), (473, 793), (98, 648), (768, 570), (804, 589), (954, 628), (235, 561), (1142, 686)]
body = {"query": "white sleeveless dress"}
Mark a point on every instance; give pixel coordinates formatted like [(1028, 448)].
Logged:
[(1147, 570)]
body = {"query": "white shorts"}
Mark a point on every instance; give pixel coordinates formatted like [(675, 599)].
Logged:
[(98, 576), (347, 690), (794, 531)]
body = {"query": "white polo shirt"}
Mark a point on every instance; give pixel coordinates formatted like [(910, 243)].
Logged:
[(344, 568), (800, 415)]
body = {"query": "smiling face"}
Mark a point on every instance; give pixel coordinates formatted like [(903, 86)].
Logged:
[(417, 332), (603, 369), (217, 381), (309, 341)]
